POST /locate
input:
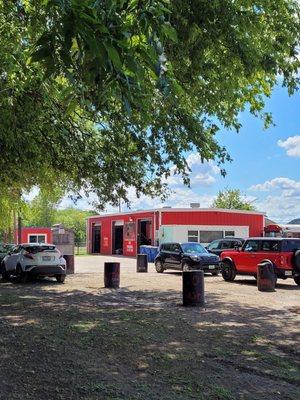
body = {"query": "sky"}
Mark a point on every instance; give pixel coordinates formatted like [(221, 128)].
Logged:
[(265, 166)]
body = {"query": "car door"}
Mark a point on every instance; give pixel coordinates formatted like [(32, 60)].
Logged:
[(270, 251), (12, 259), (173, 259), (248, 256)]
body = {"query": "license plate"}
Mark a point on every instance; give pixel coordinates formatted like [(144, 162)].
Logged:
[(211, 267), (46, 258), (288, 273)]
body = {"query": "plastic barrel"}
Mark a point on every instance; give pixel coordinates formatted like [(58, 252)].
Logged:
[(112, 275), (70, 263), (193, 288), (266, 278), (142, 263)]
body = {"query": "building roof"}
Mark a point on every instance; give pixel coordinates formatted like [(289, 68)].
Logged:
[(170, 209)]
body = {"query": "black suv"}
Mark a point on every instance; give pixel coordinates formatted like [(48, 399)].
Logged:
[(186, 256), (229, 243)]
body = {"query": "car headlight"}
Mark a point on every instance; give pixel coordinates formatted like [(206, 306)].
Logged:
[(195, 258)]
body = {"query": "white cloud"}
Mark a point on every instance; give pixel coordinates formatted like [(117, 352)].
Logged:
[(291, 145), (288, 187), (280, 208), (202, 173), (282, 202)]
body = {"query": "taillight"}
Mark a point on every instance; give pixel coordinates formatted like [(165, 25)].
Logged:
[(282, 260), (28, 255)]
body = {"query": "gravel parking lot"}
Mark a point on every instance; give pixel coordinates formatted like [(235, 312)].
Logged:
[(82, 341)]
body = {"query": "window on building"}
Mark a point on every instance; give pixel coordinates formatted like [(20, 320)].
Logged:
[(209, 236), (229, 233), (37, 238), (193, 236)]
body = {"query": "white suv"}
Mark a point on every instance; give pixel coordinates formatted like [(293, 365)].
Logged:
[(34, 259)]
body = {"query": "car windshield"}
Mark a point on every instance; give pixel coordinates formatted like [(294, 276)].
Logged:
[(193, 248), (39, 249)]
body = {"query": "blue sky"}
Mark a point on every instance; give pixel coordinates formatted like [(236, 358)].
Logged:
[(265, 166)]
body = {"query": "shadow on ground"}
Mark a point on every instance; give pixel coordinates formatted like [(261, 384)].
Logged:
[(124, 344)]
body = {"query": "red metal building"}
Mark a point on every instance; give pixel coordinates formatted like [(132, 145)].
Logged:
[(123, 233), (35, 235)]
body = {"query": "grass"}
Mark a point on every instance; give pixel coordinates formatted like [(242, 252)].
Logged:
[(90, 346)]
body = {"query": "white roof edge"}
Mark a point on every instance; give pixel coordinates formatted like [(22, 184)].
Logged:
[(178, 210)]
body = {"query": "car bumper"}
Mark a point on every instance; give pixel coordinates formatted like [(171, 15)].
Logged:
[(207, 267), (46, 270), (286, 273)]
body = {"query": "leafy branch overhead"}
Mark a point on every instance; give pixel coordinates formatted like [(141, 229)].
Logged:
[(101, 95)]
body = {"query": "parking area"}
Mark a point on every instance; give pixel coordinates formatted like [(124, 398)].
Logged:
[(138, 342)]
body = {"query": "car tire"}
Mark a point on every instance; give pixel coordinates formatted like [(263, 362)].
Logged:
[(228, 271), (5, 274), (159, 267), (297, 280), (21, 275), (185, 266), (60, 278)]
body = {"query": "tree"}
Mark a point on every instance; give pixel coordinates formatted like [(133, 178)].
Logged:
[(101, 95), (75, 219), (232, 199), (42, 210)]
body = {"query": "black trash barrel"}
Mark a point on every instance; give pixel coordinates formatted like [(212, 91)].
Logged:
[(142, 263), (112, 275), (193, 288), (266, 278), (70, 263)]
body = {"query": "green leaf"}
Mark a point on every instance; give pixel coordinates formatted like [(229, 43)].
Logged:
[(113, 55), (170, 32)]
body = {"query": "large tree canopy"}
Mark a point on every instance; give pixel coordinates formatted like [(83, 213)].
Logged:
[(232, 199), (101, 95)]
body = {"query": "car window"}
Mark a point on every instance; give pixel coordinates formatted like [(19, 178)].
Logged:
[(193, 248), (236, 244), (39, 249), (291, 245), (251, 246), (175, 247), (213, 245), (270, 245), (15, 250), (226, 245)]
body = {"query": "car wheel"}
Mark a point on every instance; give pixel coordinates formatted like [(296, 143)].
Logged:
[(159, 267), (21, 275), (228, 271), (297, 280), (5, 274), (186, 266), (60, 278)]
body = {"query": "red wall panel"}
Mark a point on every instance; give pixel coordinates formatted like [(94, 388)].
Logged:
[(36, 231), (254, 221)]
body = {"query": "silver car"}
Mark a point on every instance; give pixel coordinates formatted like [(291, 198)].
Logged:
[(35, 260)]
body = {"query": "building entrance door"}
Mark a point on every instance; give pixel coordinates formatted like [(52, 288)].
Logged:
[(118, 237), (96, 239), (144, 232)]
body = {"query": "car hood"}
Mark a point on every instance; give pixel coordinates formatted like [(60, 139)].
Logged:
[(203, 256)]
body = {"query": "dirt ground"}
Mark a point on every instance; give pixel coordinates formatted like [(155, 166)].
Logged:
[(81, 341)]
